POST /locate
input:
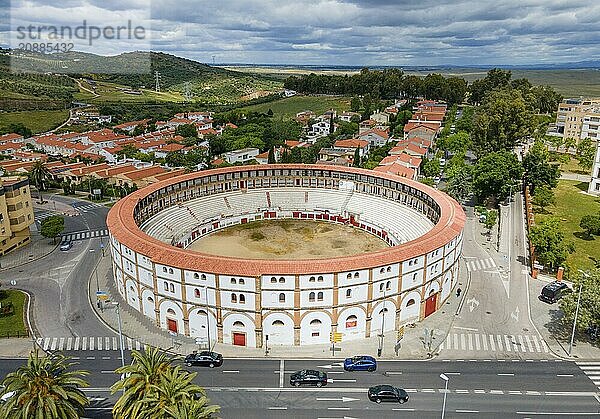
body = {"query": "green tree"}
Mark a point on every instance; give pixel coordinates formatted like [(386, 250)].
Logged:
[(538, 170), (455, 143), (459, 182), (589, 305), (19, 128), (154, 388), (549, 241), (356, 159), (355, 104), (503, 121), (39, 175), (271, 156), (52, 226), (175, 159), (45, 387), (430, 167), (495, 174), (543, 197), (187, 131), (128, 150), (591, 225), (491, 217), (586, 151)]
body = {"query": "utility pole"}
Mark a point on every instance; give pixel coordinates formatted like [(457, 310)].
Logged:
[(157, 81)]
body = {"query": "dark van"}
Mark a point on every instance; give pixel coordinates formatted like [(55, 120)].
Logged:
[(553, 292)]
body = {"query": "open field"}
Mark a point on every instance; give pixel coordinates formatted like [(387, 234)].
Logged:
[(567, 193), (36, 121), (13, 324), (288, 239), (289, 107)]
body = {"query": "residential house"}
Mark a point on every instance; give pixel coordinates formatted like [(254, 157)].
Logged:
[(352, 144), (382, 118), (347, 116), (426, 130), (241, 156), (398, 170), (131, 126), (375, 137), (16, 213)]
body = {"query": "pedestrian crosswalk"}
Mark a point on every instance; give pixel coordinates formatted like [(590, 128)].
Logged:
[(480, 264), (86, 234), (41, 215), (85, 207), (592, 370), (105, 343), (483, 342)]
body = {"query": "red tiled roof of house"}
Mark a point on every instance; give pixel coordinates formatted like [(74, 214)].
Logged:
[(103, 135), (10, 146), (398, 170), (132, 123), (412, 160), (10, 137), (115, 170), (351, 143), (429, 126), (170, 174), (89, 169), (171, 147), (144, 173)]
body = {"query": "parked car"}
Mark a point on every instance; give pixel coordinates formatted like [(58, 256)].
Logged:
[(387, 393), (360, 363), (204, 359), (553, 292), (66, 245), (308, 377)]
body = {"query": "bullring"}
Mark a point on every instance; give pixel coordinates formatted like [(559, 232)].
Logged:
[(293, 302)]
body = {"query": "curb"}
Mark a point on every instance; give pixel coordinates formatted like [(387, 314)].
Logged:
[(31, 260)]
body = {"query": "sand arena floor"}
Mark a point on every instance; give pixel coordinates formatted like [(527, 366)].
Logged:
[(288, 239)]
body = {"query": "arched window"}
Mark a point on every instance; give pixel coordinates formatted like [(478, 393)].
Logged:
[(320, 278), (278, 323), (233, 281), (410, 302), (383, 310), (281, 280), (203, 277), (166, 286), (196, 276), (171, 311), (389, 269), (233, 297), (241, 281), (238, 324), (381, 287), (196, 293), (351, 321), (356, 274), (171, 270), (150, 299), (202, 313), (281, 297), (131, 288), (164, 269), (311, 279), (349, 276), (242, 299), (273, 280), (171, 288), (315, 323), (320, 296), (381, 270), (348, 293), (311, 297), (388, 285)]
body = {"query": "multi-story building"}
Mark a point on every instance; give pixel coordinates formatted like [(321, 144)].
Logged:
[(594, 187), (572, 115), (16, 213)]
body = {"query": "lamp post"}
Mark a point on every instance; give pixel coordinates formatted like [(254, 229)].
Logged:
[(121, 343), (382, 335), (446, 379), (585, 274), (207, 316)]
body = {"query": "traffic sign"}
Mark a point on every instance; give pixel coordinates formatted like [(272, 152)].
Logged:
[(400, 333), (335, 337), (101, 295)]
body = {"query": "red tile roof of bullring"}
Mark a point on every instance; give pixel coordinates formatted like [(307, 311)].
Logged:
[(123, 228)]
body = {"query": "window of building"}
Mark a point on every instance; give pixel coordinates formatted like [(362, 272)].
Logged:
[(320, 278), (388, 285), (166, 286), (171, 270), (320, 296), (389, 269), (233, 298), (233, 281), (381, 287), (196, 293), (242, 299), (203, 277), (351, 321), (171, 288), (281, 297), (281, 280), (196, 276), (241, 281), (383, 310), (410, 302), (311, 279), (356, 274), (381, 270), (238, 324), (273, 280), (348, 293), (278, 323), (311, 297), (315, 323), (349, 276), (164, 269), (150, 299), (171, 311)]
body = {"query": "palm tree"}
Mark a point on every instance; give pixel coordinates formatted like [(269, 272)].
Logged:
[(155, 389), (44, 388), (39, 174)]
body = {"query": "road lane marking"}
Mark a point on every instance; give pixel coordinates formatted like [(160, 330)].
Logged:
[(496, 392), (335, 372), (277, 408), (479, 391), (336, 399), (492, 345), (508, 374), (470, 329), (462, 391), (466, 411), (338, 408), (564, 375), (90, 357), (106, 357), (281, 373), (559, 413), (403, 409), (452, 373), (231, 372), (340, 380), (393, 373)]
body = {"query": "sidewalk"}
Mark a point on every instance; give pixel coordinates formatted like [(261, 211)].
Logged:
[(37, 248), (546, 318), (138, 327), (16, 347)]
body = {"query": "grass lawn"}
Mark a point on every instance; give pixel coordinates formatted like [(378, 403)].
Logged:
[(570, 206), (573, 166), (36, 121), (289, 107), (12, 324)]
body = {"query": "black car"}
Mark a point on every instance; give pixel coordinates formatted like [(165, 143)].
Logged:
[(204, 359), (308, 377), (553, 292), (386, 393)]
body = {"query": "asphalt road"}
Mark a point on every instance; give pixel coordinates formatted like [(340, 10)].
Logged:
[(260, 388)]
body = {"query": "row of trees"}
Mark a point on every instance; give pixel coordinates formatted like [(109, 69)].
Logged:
[(152, 387)]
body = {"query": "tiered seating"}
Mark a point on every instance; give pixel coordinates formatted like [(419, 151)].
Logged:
[(250, 201), (289, 198)]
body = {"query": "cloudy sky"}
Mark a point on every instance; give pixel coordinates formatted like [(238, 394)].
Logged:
[(338, 32)]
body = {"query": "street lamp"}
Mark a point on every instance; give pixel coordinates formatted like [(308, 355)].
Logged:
[(446, 379), (121, 343), (585, 274), (207, 316), (382, 335)]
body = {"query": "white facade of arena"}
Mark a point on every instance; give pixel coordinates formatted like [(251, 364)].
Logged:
[(291, 302)]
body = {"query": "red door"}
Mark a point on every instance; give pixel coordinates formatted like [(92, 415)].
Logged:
[(430, 304), (239, 339), (172, 325)]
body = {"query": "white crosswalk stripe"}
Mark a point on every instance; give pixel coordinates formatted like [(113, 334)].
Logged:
[(480, 264), (104, 343), (480, 342), (592, 370), (81, 235), (39, 216), (86, 207)]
